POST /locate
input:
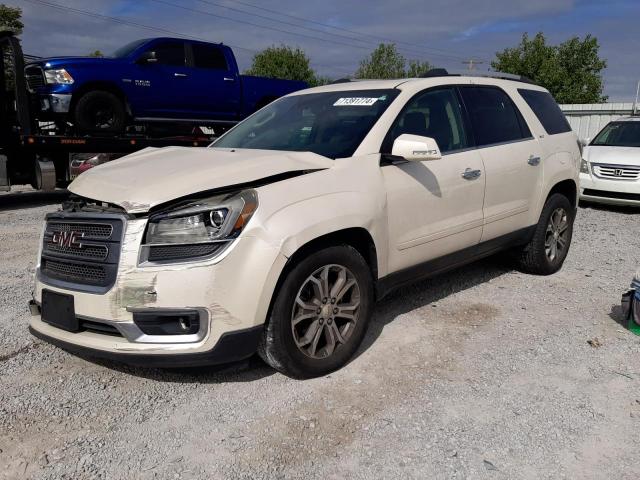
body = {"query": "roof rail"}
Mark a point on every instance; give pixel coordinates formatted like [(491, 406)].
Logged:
[(340, 80), (435, 72), (441, 72), (507, 76)]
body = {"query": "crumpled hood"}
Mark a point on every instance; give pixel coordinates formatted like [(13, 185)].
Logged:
[(612, 155), (154, 176)]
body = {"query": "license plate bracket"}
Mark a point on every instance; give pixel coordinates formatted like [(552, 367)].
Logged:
[(58, 310)]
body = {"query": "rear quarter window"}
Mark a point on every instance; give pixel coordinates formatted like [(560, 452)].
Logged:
[(494, 116), (547, 111)]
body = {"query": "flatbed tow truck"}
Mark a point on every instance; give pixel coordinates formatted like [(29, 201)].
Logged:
[(37, 153)]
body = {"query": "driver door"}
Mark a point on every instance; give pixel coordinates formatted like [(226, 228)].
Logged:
[(434, 206)]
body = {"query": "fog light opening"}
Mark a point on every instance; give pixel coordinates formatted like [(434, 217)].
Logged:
[(184, 323)]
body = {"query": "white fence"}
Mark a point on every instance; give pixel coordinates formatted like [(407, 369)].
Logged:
[(588, 119)]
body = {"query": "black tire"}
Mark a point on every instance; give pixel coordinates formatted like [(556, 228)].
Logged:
[(278, 346), (100, 112), (535, 257)]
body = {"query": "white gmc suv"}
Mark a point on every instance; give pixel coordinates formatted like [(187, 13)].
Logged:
[(281, 235)]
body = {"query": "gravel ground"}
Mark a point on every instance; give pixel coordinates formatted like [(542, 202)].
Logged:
[(479, 373)]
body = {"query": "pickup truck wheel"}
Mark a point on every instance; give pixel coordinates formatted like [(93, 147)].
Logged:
[(100, 112), (548, 248), (320, 314)]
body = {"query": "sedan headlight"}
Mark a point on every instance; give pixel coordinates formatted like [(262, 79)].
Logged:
[(198, 229), (58, 76), (584, 166)]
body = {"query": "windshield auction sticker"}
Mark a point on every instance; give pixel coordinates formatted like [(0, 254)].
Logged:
[(355, 102)]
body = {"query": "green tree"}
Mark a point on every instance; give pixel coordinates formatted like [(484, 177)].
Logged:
[(387, 62), (571, 71), (10, 18), (417, 68), (283, 62), (97, 54), (384, 62)]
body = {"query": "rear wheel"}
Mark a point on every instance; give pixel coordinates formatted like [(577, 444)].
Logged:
[(320, 314), (548, 248), (100, 112)]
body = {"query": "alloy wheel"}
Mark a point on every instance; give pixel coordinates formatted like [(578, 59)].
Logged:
[(557, 235), (325, 311)]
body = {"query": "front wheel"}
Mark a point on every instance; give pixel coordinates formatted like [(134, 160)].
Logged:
[(320, 313), (100, 112), (548, 248)]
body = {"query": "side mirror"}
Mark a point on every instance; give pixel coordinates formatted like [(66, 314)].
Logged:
[(147, 57), (416, 148), (585, 141)]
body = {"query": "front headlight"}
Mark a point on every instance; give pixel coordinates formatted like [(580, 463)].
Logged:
[(198, 229), (584, 166), (58, 76)]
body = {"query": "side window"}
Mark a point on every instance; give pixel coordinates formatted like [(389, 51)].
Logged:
[(208, 56), (434, 113), (547, 111), (169, 53), (494, 116)]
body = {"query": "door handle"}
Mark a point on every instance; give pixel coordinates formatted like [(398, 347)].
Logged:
[(180, 74), (229, 79), (470, 174), (533, 161)]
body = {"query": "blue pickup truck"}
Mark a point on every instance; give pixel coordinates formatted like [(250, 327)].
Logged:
[(151, 80)]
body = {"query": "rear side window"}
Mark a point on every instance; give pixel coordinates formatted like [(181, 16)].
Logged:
[(547, 111), (208, 56), (494, 116), (169, 53)]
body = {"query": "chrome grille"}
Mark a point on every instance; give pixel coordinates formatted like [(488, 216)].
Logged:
[(73, 271), (101, 231), (98, 252), (34, 77), (616, 172), (80, 251)]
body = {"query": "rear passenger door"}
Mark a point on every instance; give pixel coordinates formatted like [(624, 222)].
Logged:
[(214, 86), (434, 207), (512, 159)]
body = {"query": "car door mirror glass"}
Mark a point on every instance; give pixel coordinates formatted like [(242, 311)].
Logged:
[(416, 148)]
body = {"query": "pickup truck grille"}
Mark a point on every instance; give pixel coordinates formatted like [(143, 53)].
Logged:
[(81, 252), (35, 77), (616, 172)]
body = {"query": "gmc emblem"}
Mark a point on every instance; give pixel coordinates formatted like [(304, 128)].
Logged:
[(67, 239)]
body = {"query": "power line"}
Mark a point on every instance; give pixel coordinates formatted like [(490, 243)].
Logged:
[(324, 32), (315, 22), (122, 21), (252, 24)]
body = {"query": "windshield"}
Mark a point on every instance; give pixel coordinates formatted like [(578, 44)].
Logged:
[(619, 134), (127, 49), (331, 124)]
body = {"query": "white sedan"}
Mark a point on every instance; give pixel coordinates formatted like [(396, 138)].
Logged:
[(610, 168)]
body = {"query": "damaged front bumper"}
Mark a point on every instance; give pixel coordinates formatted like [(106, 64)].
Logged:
[(223, 300)]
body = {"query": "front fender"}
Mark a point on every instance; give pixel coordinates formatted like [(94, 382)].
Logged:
[(301, 222)]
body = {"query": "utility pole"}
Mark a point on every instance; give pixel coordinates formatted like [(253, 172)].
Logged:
[(472, 63)]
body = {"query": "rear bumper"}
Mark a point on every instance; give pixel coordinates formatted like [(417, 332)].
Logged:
[(231, 347), (612, 192)]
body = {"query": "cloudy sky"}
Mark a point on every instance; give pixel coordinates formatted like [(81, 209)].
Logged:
[(338, 34)]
